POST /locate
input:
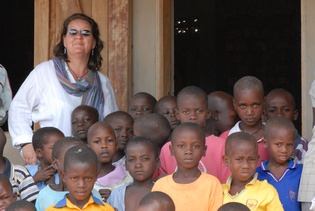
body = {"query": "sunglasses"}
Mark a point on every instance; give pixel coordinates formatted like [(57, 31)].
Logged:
[(84, 32)]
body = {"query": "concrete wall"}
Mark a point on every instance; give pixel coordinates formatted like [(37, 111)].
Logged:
[(144, 46), (308, 63)]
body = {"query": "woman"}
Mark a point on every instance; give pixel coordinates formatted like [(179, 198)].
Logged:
[(55, 87)]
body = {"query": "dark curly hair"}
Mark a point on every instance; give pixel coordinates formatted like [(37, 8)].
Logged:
[(95, 60)]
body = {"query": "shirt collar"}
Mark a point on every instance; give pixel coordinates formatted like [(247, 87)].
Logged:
[(92, 199), (292, 165)]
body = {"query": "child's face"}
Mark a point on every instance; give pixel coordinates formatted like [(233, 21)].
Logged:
[(80, 179), (6, 195), (188, 146), (249, 105), (103, 142), (141, 161), (123, 127), (242, 160), (280, 144), (82, 120), (45, 153), (139, 106), (192, 108), (280, 105), (227, 117), (168, 109)]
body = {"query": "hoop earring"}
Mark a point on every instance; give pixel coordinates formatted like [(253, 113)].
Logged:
[(92, 52), (65, 51)]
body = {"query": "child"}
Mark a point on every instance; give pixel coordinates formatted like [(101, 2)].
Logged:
[(82, 118), (57, 191), (280, 102), (233, 206), (21, 180), (192, 106), (7, 196), (21, 205), (79, 174), (167, 107), (241, 155), (156, 201), (43, 141), (102, 140), (140, 104), (142, 159), (122, 123), (281, 172), (155, 126), (249, 105), (189, 188), (223, 115)]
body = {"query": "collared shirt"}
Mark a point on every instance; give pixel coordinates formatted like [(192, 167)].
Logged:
[(92, 204), (287, 185), (21, 180), (42, 99), (257, 195), (5, 94)]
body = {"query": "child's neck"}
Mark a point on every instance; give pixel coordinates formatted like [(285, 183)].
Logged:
[(148, 183), (237, 186), (43, 164), (118, 155), (105, 168), (255, 130), (185, 176), (277, 169)]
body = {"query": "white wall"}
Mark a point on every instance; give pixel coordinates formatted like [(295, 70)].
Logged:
[(144, 46), (308, 63)]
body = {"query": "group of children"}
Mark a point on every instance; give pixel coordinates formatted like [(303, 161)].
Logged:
[(192, 151)]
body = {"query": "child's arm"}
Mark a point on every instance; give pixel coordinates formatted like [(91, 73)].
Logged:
[(105, 194)]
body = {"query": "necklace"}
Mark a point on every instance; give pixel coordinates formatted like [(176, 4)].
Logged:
[(253, 132), (75, 75)]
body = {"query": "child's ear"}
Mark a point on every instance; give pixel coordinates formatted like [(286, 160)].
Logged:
[(215, 115), (171, 150), (63, 177), (55, 164), (226, 160), (295, 114), (265, 143), (15, 195), (39, 153), (234, 104)]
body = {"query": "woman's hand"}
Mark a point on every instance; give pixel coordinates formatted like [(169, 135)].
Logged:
[(29, 154)]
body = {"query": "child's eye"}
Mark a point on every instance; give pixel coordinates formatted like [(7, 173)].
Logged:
[(88, 178), (118, 129), (131, 160), (86, 119), (146, 109), (145, 159), (290, 145), (199, 111), (130, 132), (166, 113), (74, 178), (180, 146), (196, 147), (185, 112), (96, 141), (133, 109), (109, 140), (256, 105), (242, 106), (272, 110), (286, 110)]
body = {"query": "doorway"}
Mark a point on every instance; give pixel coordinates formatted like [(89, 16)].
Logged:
[(217, 42)]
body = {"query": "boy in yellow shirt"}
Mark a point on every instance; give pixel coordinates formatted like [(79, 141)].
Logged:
[(241, 156)]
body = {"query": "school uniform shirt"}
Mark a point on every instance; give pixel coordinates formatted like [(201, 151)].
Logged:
[(43, 202), (203, 194), (287, 185), (92, 205), (211, 163), (257, 195)]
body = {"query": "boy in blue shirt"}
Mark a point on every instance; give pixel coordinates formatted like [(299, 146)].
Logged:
[(281, 172)]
